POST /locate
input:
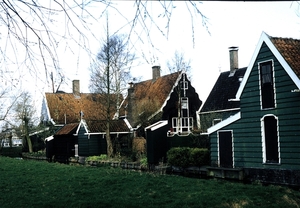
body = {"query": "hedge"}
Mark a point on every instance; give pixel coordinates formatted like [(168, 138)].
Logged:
[(186, 156)]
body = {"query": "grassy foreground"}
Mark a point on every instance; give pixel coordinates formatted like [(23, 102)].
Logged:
[(25, 183)]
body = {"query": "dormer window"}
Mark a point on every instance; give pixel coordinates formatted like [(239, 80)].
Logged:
[(267, 85)]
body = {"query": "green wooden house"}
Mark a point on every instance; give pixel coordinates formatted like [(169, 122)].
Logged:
[(263, 138), (92, 136)]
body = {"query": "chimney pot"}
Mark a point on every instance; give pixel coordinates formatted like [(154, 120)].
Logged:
[(234, 60), (76, 87), (155, 72)]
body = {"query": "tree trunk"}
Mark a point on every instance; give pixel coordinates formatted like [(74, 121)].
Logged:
[(110, 149), (29, 143)]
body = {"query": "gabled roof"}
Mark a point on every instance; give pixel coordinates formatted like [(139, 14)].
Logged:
[(287, 52), (115, 126), (159, 89), (151, 96), (99, 127), (67, 129), (67, 107), (223, 92)]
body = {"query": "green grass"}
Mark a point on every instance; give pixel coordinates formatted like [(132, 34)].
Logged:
[(27, 183)]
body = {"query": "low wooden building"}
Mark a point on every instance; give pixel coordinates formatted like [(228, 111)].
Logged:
[(92, 136), (62, 146)]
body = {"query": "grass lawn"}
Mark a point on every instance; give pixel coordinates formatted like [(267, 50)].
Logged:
[(27, 183)]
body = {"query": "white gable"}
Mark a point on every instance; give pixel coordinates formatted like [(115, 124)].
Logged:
[(264, 38)]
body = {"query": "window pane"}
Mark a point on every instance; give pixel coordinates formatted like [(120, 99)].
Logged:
[(267, 89)]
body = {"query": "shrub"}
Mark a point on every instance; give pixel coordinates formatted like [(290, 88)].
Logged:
[(178, 156), (199, 157), (185, 156), (144, 162)]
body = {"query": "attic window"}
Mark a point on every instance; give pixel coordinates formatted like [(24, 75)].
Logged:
[(267, 85)]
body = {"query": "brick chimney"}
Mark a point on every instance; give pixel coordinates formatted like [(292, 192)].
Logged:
[(234, 60), (76, 87), (155, 73)]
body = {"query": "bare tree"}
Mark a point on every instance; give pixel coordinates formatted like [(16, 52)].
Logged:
[(30, 28), (36, 35), (109, 76), (179, 63), (24, 113)]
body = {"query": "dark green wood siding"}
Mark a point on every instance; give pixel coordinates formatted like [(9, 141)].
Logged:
[(83, 145), (247, 133)]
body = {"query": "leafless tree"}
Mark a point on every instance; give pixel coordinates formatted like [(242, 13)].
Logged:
[(35, 34), (30, 29), (179, 63), (109, 76), (24, 114)]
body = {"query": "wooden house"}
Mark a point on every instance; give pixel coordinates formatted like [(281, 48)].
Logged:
[(262, 139), (160, 108), (62, 145), (157, 99), (63, 109), (220, 103), (92, 136)]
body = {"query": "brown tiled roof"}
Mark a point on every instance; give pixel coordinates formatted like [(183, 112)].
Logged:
[(290, 50), (150, 95), (66, 107), (67, 129), (100, 126)]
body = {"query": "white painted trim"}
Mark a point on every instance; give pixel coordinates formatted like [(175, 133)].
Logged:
[(232, 146), (265, 38), (219, 111), (166, 100), (157, 125), (128, 124), (45, 105), (49, 138), (259, 83), (264, 159), (104, 133), (224, 123), (82, 122)]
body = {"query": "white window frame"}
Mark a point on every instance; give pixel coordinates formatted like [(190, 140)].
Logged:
[(232, 146), (260, 87), (264, 139)]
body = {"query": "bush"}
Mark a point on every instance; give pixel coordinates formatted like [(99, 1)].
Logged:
[(199, 156), (185, 156), (178, 156)]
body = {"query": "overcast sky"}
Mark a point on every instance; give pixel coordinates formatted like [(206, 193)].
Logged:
[(229, 24)]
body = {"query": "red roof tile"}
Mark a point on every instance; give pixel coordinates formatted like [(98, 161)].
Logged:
[(67, 129), (290, 50), (66, 107), (150, 95)]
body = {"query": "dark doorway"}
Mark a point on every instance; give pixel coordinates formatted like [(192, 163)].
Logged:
[(271, 139), (225, 149)]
